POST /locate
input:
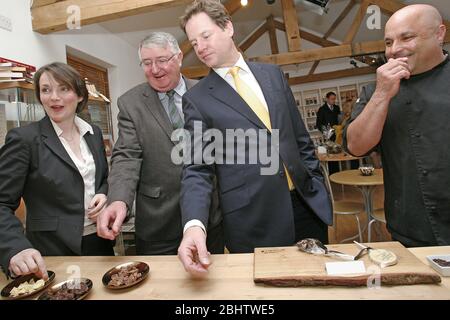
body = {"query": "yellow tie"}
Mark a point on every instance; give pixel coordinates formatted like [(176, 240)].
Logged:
[(258, 108)]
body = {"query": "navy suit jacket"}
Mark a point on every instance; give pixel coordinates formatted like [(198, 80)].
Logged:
[(257, 208)]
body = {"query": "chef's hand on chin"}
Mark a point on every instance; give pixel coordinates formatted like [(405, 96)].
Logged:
[(193, 253)]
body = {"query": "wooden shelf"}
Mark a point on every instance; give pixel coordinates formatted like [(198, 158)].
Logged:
[(16, 84)]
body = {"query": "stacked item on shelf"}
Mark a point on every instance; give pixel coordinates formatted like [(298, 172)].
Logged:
[(13, 71)]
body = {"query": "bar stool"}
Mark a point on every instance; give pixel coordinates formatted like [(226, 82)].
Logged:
[(377, 215), (344, 207)]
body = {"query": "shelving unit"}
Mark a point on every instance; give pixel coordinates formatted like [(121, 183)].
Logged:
[(18, 106)]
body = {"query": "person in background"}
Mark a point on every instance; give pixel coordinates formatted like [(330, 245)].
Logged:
[(406, 117), (141, 161), (328, 114), (58, 166)]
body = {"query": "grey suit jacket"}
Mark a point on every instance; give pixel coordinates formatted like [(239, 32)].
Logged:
[(142, 166)]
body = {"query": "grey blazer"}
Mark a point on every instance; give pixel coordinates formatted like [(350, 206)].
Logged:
[(142, 167)]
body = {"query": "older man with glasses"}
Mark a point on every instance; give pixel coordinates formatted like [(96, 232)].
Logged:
[(141, 159)]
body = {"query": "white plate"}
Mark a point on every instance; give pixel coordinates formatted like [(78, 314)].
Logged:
[(445, 271)]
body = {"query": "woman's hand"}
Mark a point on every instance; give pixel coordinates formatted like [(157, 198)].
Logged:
[(28, 261), (96, 205)]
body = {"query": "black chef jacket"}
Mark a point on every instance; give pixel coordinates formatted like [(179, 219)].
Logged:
[(415, 150)]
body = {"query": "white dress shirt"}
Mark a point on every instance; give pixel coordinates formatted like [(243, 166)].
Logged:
[(85, 166), (247, 76)]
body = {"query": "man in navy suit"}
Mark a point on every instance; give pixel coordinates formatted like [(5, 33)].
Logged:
[(260, 210)]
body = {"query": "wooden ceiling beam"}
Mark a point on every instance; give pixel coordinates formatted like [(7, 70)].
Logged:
[(53, 17), (298, 57), (340, 51), (40, 3), (331, 75), (340, 18), (333, 26), (272, 35), (291, 24), (279, 25), (357, 22), (317, 40), (197, 72), (314, 67), (247, 43), (307, 35)]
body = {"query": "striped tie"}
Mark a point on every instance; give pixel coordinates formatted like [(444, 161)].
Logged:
[(258, 108), (174, 115)]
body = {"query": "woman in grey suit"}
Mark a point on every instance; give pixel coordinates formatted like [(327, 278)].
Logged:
[(58, 166)]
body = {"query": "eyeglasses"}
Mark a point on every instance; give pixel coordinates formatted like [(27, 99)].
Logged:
[(160, 63)]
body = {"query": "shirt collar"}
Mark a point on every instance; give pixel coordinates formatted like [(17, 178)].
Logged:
[(180, 89), (222, 72), (83, 127)]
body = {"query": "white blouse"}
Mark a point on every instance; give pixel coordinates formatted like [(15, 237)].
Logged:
[(86, 167)]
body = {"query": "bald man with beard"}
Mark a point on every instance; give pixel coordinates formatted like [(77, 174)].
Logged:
[(406, 114)]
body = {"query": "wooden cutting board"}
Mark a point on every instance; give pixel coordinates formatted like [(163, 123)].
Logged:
[(290, 267)]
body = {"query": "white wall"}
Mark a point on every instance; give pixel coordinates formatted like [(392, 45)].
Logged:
[(104, 48)]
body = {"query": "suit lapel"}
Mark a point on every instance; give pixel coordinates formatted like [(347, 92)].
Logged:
[(95, 150), (157, 110), (52, 141), (263, 78), (222, 91)]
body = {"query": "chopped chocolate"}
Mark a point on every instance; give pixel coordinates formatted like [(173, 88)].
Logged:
[(126, 276), (67, 291), (442, 262)]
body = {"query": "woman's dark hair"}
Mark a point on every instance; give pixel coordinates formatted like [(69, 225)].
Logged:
[(66, 75)]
